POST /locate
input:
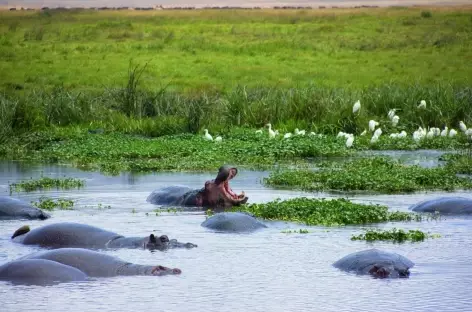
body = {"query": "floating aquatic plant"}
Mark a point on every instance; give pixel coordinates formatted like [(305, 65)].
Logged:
[(46, 183), (46, 203), (378, 174), (397, 235), (334, 212)]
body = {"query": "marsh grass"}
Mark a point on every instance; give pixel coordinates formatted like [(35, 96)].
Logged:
[(46, 183), (395, 235), (220, 68), (376, 174), (335, 212), (46, 203)]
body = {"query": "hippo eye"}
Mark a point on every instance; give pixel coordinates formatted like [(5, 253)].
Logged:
[(164, 239)]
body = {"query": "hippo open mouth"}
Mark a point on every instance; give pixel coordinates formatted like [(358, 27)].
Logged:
[(227, 174)]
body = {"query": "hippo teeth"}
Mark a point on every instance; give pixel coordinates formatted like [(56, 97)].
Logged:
[(230, 191)]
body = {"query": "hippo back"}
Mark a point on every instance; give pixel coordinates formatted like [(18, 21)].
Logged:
[(39, 272), (67, 234), (15, 208), (92, 263), (233, 222), (445, 205), (361, 262), (177, 195)]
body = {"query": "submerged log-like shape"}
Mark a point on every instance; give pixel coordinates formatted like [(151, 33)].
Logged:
[(378, 263), (445, 205), (68, 234), (14, 208), (233, 222)]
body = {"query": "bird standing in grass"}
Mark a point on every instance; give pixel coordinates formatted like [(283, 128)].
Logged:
[(208, 136), (356, 107)]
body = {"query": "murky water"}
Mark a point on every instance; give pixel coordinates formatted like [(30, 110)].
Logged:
[(263, 271)]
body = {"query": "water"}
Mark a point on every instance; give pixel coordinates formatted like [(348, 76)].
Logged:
[(263, 271)]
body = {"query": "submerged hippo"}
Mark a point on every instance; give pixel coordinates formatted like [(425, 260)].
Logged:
[(39, 272), (68, 234), (378, 263), (233, 222), (215, 194), (96, 264), (445, 205), (14, 208)]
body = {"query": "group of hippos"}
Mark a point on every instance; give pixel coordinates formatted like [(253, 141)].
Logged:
[(71, 249)]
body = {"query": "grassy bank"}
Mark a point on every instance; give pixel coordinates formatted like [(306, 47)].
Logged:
[(112, 152), (221, 68)]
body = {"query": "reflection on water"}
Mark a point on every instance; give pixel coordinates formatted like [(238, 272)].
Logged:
[(263, 271)]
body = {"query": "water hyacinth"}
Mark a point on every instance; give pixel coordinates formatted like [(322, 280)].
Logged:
[(325, 212)]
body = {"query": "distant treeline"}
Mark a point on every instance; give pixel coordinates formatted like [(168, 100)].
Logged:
[(186, 8)]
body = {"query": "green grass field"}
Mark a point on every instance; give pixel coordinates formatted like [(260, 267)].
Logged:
[(220, 68), (219, 49)]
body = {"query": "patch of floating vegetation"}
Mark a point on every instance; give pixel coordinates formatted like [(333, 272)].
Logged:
[(335, 212), (396, 235), (46, 183), (378, 174), (458, 163), (300, 231), (46, 203)]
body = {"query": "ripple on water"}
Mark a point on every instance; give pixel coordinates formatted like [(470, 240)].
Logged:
[(263, 271)]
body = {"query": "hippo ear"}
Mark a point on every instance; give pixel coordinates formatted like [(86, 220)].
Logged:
[(152, 239), (21, 231)]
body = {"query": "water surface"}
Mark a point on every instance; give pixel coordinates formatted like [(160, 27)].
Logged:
[(263, 271)]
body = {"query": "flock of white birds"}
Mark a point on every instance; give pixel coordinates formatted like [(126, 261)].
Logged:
[(377, 132)]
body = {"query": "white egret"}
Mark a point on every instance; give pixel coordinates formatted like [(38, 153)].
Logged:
[(287, 135), (374, 139), (271, 132), (452, 133), (402, 134), (350, 140), (356, 107), (444, 132), (391, 113), (207, 135), (395, 120), (364, 132), (259, 131), (372, 125), (218, 139), (378, 132), (422, 104), (462, 126)]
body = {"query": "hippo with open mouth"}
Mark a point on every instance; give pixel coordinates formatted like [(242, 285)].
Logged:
[(216, 194)]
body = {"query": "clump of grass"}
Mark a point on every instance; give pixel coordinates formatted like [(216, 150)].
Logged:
[(300, 231), (335, 212), (46, 203), (426, 14), (396, 235), (378, 174), (46, 183)]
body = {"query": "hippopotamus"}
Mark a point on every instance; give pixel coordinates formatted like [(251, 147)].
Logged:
[(378, 263), (233, 222), (69, 234), (215, 194), (96, 264), (39, 272), (14, 208), (445, 205)]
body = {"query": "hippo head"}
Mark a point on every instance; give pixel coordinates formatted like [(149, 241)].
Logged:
[(385, 271), (219, 190), (154, 242)]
